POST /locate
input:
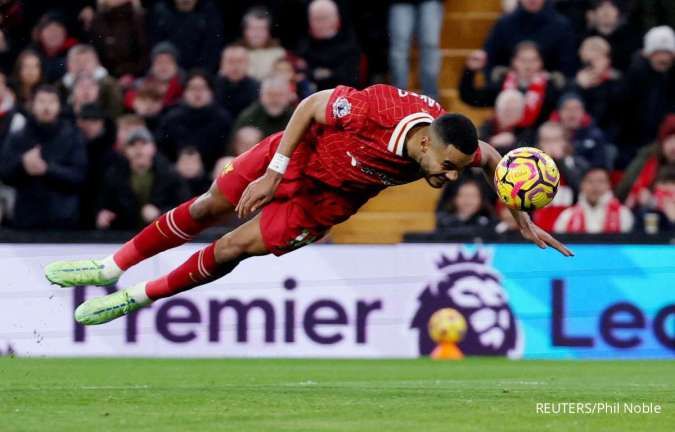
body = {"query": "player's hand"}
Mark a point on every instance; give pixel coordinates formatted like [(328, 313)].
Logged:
[(258, 193), (540, 237)]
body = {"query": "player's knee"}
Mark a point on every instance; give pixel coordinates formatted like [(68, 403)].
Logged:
[(209, 206), (236, 245)]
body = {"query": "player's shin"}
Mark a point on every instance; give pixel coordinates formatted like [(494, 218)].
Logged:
[(172, 229), (201, 268)]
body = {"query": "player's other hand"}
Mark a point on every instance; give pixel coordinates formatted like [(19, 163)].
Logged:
[(541, 238), (258, 193)]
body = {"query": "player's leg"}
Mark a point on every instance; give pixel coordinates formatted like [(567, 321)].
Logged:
[(211, 263), (172, 229)]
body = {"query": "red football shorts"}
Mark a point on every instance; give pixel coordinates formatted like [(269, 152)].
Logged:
[(302, 210)]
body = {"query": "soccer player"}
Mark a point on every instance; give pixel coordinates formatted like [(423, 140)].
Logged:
[(340, 148)]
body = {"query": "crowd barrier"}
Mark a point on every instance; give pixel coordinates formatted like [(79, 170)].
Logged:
[(609, 301)]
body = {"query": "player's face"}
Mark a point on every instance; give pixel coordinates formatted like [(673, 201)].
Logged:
[(441, 163)]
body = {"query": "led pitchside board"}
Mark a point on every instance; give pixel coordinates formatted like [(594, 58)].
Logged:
[(609, 301)]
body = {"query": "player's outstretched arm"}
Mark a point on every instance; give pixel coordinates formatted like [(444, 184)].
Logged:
[(490, 159), (260, 192)]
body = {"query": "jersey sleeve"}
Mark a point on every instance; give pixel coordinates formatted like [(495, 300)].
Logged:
[(347, 108)]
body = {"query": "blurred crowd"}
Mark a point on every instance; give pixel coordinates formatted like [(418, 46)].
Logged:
[(114, 111), (591, 83)]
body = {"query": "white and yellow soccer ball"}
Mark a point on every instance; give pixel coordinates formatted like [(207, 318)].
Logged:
[(526, 179), (447, 325)]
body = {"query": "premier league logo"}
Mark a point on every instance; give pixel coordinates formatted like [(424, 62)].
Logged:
[(469, 284), (341, 107)]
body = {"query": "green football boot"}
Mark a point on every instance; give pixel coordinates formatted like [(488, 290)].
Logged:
[(100, 310), (77, 273)]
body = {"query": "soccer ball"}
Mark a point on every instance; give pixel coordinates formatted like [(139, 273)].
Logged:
[(526, 179), (447, 325)]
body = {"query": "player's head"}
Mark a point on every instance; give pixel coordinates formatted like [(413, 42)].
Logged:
[(448, 148)]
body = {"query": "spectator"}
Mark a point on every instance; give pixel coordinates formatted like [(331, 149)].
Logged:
[(244, 139), (118, 33), (46, 162), (164, 74), (272, 111), (537, 21), (139, 187), (83, 60), (52, 42), (191, 168), (504, 131), (541, 89), (262, 48), (148, 104), (605, 20), (551, 140), (466, 208), (587, 139), (598, 83), (194, 27), (27, 77), (14, 31), (425, 17), (639, 177), (658, 214), (235, 88), (126, 124), (597, 211), (99, 136), (197, 122), (86, 90), (10, 118), (647, 93), (331, 51), (293, 69)]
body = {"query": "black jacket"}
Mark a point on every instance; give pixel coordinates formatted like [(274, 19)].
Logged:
[(197, 35), (168, 190), (100, 155), (646, 97), (52, 200), (550, 30), (206, 129), (340, 54), (236, 96)]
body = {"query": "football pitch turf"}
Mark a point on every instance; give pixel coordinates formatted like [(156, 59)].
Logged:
[(327, 395)]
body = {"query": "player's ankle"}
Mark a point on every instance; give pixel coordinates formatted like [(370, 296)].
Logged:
[(139, 294), (110, 268)]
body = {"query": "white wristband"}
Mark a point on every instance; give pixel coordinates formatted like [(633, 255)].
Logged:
[(279, 163)]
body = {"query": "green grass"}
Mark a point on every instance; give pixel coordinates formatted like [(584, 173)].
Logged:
[(325, 395)]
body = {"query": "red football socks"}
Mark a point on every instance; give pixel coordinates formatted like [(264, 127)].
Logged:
[(170, 230), (199, 269)]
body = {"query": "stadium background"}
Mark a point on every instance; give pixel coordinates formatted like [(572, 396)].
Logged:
[(605, 112)]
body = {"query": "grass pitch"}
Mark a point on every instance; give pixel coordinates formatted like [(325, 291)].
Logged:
[(326, 395)]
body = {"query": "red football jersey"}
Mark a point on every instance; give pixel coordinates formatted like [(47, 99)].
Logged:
[(361, 149)]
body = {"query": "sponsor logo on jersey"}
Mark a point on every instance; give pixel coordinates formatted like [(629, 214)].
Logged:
[(341, 107)]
